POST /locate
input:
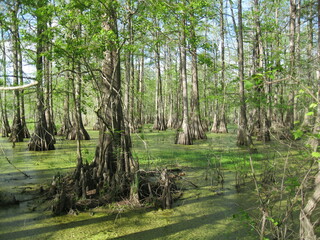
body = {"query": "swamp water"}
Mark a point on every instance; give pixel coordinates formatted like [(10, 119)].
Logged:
[(205, 211)]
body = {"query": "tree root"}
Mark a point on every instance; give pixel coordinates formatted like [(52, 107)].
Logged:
[(156, 188)]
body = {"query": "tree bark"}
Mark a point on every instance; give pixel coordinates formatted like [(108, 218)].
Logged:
[(17, 131), (308, 120), (77, 132), (66, 122), (289, 121), (171, 92), (140, 91), (6, 130), (184, 134), (307, 231), (113, 168), (41, 139), (129, 107), (48, 91), (244, 137), (222, 119), (197, 128), (159, 121), (26, 133), (306, 226), (263, 121)]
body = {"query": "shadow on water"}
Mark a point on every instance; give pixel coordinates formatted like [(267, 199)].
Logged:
[(190, 225), (53, 227)]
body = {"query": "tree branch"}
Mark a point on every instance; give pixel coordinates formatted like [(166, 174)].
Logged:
[(19, 87)]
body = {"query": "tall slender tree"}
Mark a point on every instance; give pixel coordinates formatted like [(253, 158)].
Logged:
[(140, 90), (307, 119), (48, 89), (244, 137), (66, 126), (6, 130), (78, 131), (289, 121), (222, 115), (129, 72), (159, 120), (263, 124), (17, 133), (41, 139), (26, 133), (197, 128), (184, 133)]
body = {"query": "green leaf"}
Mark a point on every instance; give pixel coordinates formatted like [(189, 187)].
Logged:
[(310, 114), (313, 105), (316, 154), (248, 85), (297, 134)]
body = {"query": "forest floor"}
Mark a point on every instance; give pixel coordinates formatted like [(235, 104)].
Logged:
[(219, 198)]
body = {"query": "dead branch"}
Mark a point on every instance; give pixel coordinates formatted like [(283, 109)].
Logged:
[(26, 175), (19, 87)]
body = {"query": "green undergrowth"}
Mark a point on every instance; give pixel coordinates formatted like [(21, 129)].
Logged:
[(157, 149), (208, 209)]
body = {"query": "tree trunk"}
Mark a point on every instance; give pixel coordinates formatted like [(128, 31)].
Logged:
[(159, 121), (244, 137), (197, 129), (113, 168), (6, 130), (132, 124), (140, 91), (307, 231), (5, 127), (289, 121), (129, 76), (216, 105), (26, 133), (184, 134), (78, 132), (17, 131), (170, 82), (42, 139), (176, 98), (306, 226), (307, 120), (216, 119), (48, 93), (222, 121), (263, 121), (66, 122)]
